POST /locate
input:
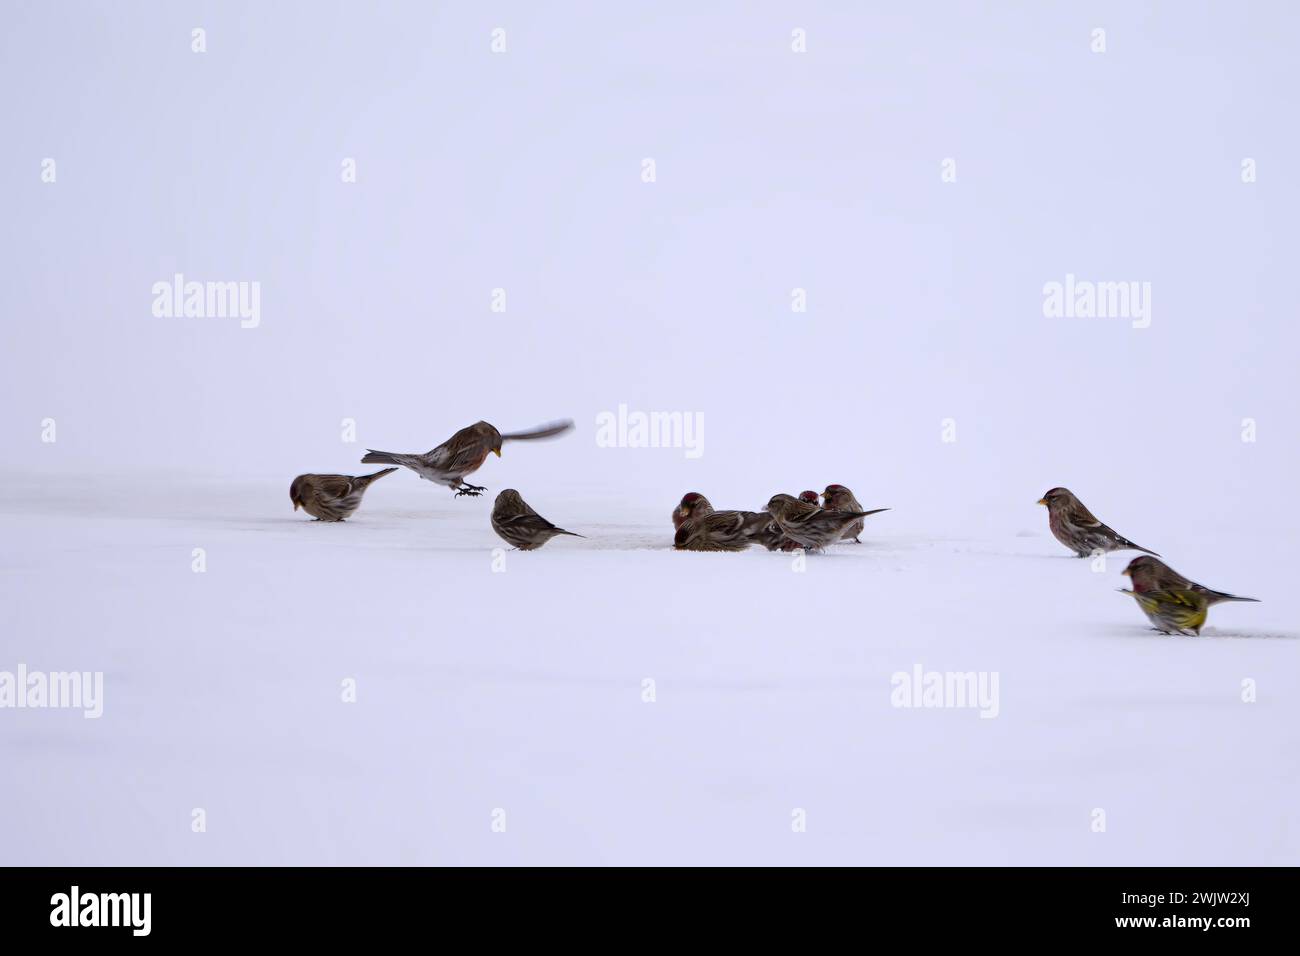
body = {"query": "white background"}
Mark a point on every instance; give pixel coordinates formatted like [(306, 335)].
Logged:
[(522, 171)]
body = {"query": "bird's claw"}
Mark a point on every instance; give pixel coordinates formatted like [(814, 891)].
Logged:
[(472, 491)]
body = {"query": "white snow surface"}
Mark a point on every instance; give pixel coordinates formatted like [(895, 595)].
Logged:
[(522, 690), (776, 171)]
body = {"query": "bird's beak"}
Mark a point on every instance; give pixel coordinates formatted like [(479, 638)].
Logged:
[(1125, 573), (498, 452), (296, 504), (1042, 501), (683, 511)]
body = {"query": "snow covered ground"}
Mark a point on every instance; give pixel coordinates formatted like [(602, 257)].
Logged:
[(828, 235), (522, 690)]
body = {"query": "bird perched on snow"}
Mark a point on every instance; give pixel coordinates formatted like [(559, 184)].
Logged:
[(757, 527), (1077, 529), (839, 498), (462, 454), (692, 505), (1173, 603), (331, 497), (809, 526), (715, 531), (520, 525)]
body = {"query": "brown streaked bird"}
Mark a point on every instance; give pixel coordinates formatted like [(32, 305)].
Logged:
[(1077, 528), (839, 498), (810, 497), (462, 454), (692, 505), (1172, 603), (331, 497), (519, 525), (809, 526), (715, 531)]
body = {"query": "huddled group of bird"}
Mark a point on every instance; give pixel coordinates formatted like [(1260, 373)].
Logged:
[(786, 523), (1172, 603), (809, 522)]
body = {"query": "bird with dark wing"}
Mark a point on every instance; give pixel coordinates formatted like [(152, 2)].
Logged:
[(331, 497), (462, 454), (1077, 528)]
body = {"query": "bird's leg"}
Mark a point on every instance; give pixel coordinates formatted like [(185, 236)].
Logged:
[(472, 491)]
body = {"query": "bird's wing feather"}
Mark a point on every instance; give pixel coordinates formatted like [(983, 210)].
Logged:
[(549, 430)]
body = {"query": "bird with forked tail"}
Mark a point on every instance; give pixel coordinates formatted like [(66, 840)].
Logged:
[(462, 454)]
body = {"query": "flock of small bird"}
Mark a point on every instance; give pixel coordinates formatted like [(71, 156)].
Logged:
[(1173, 603)]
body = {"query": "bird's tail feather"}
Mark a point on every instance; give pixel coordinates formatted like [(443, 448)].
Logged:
[(1224, 596), (574, 533), (379, 474), (873, 511), (1138, 547), (381, 458)]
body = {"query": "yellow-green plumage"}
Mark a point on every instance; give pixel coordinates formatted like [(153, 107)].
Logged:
[(1174, 610)]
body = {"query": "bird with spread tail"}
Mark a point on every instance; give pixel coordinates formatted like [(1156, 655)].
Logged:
[(518, 524), (331, 497), (809, 526), (1172, 603), (462, 454), (1077, 528)]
